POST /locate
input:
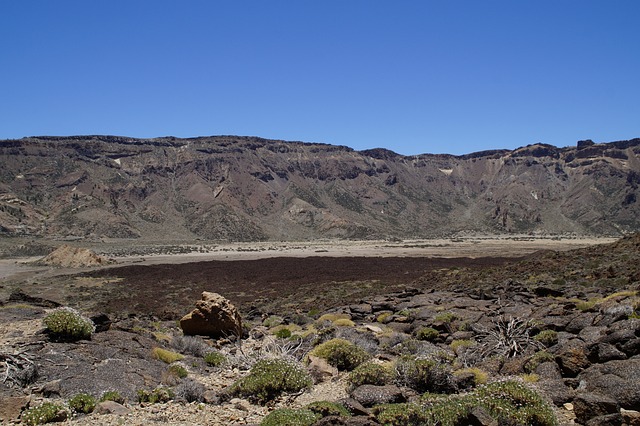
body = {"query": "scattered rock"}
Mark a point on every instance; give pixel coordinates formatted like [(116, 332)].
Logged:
[(630, 417), (11, 407), (320, 369), (619, 380), (112, 407), (213, 316), (614, 419), (101, 321), (572, 357), (480, 417), (589, 405), (603, 352), (370, 395)]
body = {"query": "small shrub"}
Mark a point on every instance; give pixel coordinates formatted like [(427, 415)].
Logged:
[(178, 371), (45, 413), (370, 373), (547, 337), (445, 317), (290, 417), (480, 377), (344, 322), (530, 378), (158, 395), (214, 359), (508, 403), (112, 396), (272, 321), (68, 325), (537, 359), (82, 403), (341, 354), (384, 317), (333, 317), (166, 355), (269, 378), (424, 375), (400, 414), (512, 402), (458, 346), (427, 333), (326, 408), (283, 333), (191, 345), (190, 390), (507, 337)]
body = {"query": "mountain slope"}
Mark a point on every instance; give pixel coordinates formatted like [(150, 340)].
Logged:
[(247, 188)]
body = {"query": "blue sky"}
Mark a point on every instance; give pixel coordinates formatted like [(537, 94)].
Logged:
[(411, 76)]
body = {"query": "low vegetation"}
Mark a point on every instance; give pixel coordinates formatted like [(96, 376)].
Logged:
[(68, 325), (508, 402), (269, 378), (290, 417), (47, 412), (341, 354), (82, 403)]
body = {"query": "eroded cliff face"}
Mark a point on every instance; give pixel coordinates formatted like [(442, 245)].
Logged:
[(246, 188)]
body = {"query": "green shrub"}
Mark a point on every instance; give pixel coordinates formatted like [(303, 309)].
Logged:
[(370, 373), (45, 413), (424, 375), (341, 354), (326, 408), (458, 346), (537, 359), (333, 317), (214, 359), (283, 333), (344, 322), (68, 325), (272, 321), (158, 395), (269, 378), (82, 403), (445, 317), (400, 414), (480, 377), (178, 371), (547, 337), (512, 401), (509, 403), (166, 355), (383, 317), (112, 396), (290, 417), (427, 333)]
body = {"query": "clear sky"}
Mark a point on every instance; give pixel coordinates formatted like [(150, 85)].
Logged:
[(411, 76)]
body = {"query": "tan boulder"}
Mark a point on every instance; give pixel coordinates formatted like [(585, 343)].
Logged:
[(213, 316)]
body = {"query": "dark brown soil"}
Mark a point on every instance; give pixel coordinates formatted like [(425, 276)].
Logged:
[(266, 285)]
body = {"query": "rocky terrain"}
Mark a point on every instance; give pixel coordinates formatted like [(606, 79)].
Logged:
[(553, 338), (229, 188)]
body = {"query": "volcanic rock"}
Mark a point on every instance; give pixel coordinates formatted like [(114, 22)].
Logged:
[(213, 316)]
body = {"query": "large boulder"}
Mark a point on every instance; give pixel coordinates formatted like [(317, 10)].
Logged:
[(618, 379), (213, 316)]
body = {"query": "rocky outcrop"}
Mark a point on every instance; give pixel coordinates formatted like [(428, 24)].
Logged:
[(66, 256), (213, 316)]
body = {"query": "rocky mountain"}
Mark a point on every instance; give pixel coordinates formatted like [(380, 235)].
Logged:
[(248, 188)]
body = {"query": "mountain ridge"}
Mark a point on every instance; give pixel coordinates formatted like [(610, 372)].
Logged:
[(244, 188)]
